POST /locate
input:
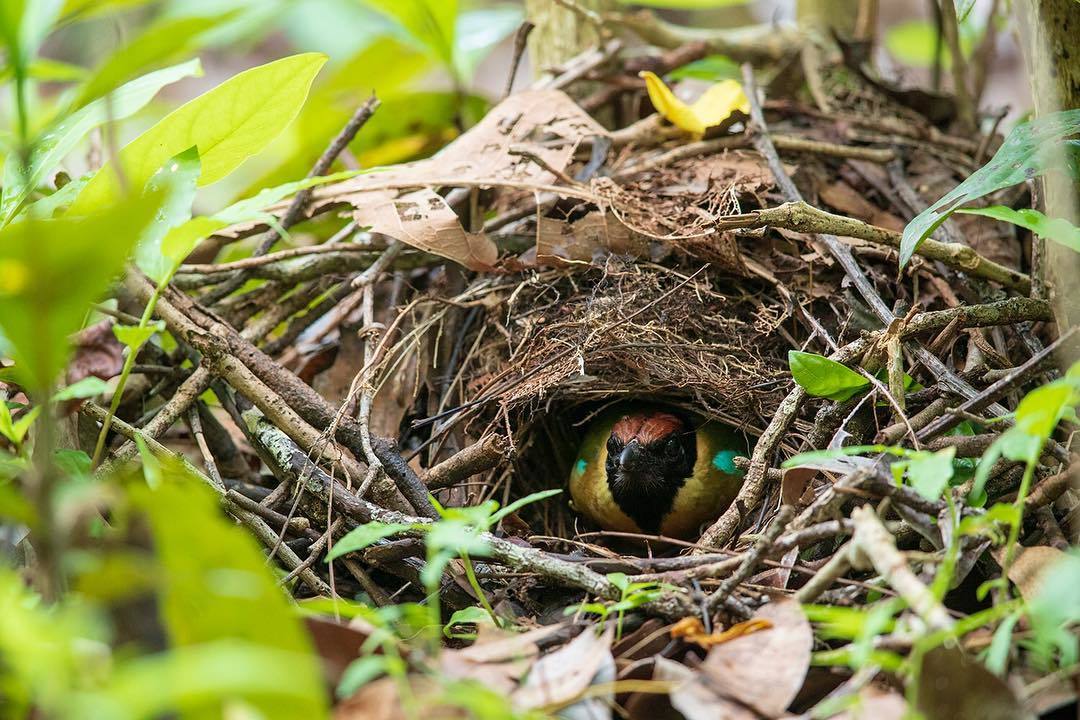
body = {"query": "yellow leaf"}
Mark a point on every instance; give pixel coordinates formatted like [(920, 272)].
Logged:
[(714, 106)]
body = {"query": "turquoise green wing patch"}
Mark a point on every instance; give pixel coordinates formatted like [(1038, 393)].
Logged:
[(579, 466), (724, 461)]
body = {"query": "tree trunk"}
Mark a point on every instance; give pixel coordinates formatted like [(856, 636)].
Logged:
[(1051, 33)]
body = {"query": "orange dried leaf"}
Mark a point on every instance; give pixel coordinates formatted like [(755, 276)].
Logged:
[(692, 629)]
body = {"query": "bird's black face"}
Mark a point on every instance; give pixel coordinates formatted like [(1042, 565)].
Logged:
[(649, 457)]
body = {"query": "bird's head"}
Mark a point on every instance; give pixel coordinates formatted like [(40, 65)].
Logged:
[(650, 449)]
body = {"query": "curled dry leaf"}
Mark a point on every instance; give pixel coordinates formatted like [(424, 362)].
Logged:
[(561, 676), (581, 240), (691, 695), (97, 353), (423, 220), (543, 124), (737, 669)]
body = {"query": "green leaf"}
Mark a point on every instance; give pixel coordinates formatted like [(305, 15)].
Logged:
[(520, 503), (51, 269), (360, 672), (364, 536), (1059, 230), (929, 473), (1031, 149), (997, 655), (15, 430), (472, 615), (711, 67), (228, 125), (133, 337), (1056, 607), (822, 377), (73, 463), (217, 586), (46, 70), (963, 9), (177, 180), (159, 43), (428, 23), (86, 388), (59, 140)]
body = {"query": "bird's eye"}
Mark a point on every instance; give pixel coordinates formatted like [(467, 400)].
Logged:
[(672, 448)]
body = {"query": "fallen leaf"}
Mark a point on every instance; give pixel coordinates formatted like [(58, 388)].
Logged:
[(695, 699), (97, 353), (693, 631), (336, 643), (782, 654), (561, 676), (953, 686), (794, 484), (558, 241), (1030, 565), (423, 220), (499, 659), (714, 106)]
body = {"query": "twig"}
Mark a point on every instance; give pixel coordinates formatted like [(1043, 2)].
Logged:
[(751, 559), (473, 460), (873, 546)]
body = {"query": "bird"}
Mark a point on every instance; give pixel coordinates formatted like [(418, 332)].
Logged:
[(650, 469)]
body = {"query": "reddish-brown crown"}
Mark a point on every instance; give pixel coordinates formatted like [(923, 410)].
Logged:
[(646, 427)]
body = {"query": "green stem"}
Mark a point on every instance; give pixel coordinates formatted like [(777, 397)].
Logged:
[(470, 573), (1014, 529), (125, 372)]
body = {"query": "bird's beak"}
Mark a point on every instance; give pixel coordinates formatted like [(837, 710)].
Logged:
[(629, 453)]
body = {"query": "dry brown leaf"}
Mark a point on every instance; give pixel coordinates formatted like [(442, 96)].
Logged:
[(736, 669), (498, 658), (693, 630), (582, 240), (560, 676), (423, 220), (1028, 570), (336, 643), (97, 353), (953, 686), (795, 483), (692, 697)]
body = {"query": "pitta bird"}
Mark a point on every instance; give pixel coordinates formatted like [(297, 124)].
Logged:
[(649, 470)]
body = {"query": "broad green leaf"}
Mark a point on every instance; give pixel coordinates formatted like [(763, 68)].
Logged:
[(228, 124), (182, 239), (428, 23), (819, 455), (472, 615), (51, 269), (157, 44), (1031, 149), (219, 679), (86, 9), (1059, 230), (46, 70), (822, 377), (364, 536), (176, 180), (86, 388), (134, 337), (55, 143), (217, 587), (710, 67), (997, 655), (930, 473), (1036, 417)]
